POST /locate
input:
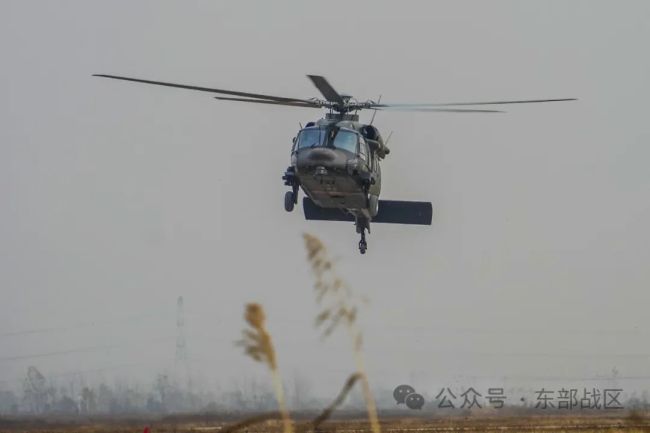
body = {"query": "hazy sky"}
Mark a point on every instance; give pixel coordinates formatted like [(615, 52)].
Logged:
[(117, 197)]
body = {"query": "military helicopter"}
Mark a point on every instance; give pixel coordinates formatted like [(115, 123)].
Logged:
[(335, 160)]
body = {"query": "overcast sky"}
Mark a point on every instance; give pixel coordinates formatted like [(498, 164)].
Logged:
[(117, 197)]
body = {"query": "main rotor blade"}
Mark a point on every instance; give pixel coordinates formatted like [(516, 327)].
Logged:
[(326, 89), (262, 101), (436, 110), (205, 89), (447, 104)]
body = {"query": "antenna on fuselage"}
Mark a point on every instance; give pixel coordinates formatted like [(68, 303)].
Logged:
[(375, 111), (388, 138)]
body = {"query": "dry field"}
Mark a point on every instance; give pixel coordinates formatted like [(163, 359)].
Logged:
[(586, 424)]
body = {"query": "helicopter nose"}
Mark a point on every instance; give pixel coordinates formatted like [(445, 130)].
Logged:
[(321, 155)]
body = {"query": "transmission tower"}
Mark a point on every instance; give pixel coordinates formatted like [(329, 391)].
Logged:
[(182, 362)]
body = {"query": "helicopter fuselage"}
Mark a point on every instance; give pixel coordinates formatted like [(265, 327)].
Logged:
[(336, 163)]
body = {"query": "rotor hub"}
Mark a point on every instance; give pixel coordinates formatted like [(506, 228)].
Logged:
[(342, 116)]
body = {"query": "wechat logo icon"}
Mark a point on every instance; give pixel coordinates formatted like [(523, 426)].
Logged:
[(405, 394)]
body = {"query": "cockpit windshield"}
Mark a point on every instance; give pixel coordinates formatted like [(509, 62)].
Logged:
[(312, 137), (317, 137), (346, 140)]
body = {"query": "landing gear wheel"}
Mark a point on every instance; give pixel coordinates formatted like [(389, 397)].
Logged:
[(373, 205), (289, 201)]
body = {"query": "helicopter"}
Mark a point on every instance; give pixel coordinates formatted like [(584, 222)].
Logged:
[(335, 160)]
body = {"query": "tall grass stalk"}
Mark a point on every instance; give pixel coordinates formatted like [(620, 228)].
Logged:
[(339, 307), (258, 345)]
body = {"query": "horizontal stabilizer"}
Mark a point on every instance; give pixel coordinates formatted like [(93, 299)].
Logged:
[(404, 212), (390, 211), (313, 212)]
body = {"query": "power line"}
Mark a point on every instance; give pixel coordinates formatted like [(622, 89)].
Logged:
[(77, 325), (83, 350)]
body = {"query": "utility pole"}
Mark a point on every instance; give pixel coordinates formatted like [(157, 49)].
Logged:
[(182, 362)]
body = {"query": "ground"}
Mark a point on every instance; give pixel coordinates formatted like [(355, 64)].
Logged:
[(587, 424)]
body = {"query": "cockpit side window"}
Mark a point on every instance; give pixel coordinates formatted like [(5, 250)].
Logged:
[(363, 149)]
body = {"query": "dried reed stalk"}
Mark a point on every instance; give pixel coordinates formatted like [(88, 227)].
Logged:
[(327, 412), (339, 306), (311, 426), (258, 345)]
